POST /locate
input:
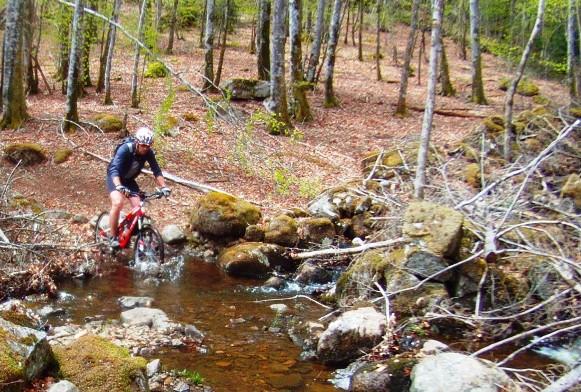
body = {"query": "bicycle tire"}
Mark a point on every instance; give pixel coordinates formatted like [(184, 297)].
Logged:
[(102, 229), (148, 246)]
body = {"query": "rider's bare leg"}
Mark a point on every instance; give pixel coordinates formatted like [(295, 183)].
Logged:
[(117, 200), (134, 200)]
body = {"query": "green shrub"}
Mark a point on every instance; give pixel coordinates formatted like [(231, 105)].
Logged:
[(156, 69)]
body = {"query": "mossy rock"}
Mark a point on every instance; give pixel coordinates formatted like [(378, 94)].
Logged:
[(94, 364), (419, 301), (19, 318), (240, 88), (156, 69), (282, 230), (108, 123), (572, 189), (525, 87), (190, 117), (24, 203), (28, 153), (541, 100), (11, 370), (62, 155), (469, 277), (396, 161), (494, 124), (219, 214), (435, 227), (532, 145), (254, 233), (575, 112), (471, 173), (315, 230), (254, 260), (469, 152)]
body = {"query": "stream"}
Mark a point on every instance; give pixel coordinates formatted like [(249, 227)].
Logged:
[(242, 354)]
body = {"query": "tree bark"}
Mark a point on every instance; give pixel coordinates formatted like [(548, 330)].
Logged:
[(13, 99), (209, 47), (110, 50), (348, 12), (378, 41), (360, 47), (103, 55), (263, 41), (222, 44), (448, 89), (420, 181), (573, 63), (477, 85), (172, 27), (330, 99), (72, 114), (140, 29), (158, 11), (509, 100), (277, 102), (90, 34), (203, 25), (63, 31), (318, 39), (401, 108), (31, 80), (299, 104)]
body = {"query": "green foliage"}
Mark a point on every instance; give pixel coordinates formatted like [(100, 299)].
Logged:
[(191, 375), (162, 120), (283, 180), (156, 69), (272, 121)]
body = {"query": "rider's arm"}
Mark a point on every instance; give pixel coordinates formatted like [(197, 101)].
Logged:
[(155, 169)]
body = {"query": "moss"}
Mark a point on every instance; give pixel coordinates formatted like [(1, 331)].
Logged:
[(533, 145), (94, 364), (572, 189), (28, 153), (494, 124), (541, 100), (21, 202), (28, 340), (190, 117), (241, 83), (575, 112), (472, 175), (18, 318), (108, 123), (282, 230), (11, 369), (317, 229), (155, 69), (394, 161), (62, 155), (525, 87)]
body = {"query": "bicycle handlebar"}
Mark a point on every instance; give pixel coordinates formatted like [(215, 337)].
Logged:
[(148, 196)]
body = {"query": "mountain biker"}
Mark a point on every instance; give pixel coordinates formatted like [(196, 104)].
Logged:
[(124, 168)]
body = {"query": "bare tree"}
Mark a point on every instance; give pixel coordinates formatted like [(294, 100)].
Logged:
[(573, 63), (318, 39), (263, 40), (209, 46), (172, 27), (13, 99), (448, 89), (299, 104), (420, 181), (222, 44), (110, 50), (277, 102), (330, 99), (378, 41), (72, 114), (401, 108), (140, 34), (360, 46), (477, 85), (509, 100)]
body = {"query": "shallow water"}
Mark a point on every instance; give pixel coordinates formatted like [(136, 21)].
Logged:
[(242, 355)]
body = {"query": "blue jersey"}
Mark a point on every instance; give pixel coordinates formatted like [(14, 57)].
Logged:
[(127, 164)]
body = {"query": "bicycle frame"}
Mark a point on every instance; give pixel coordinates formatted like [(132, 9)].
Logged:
[(127, 226)]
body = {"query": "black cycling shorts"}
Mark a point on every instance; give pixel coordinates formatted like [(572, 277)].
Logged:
[(130, 184)]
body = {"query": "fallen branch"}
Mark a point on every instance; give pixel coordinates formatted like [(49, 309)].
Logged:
[(343, 251), (448, 113), (295, 297), (567, 381)]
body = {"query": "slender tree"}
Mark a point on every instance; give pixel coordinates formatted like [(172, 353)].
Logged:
[(222, 44), (89, 38), (378, 41), (477, 85), (72, 114), (140, 33), (158, 12), (298, 102), (509, 100), (64, 20), (348, 12), (423, 151), (263, 40), (13, 100), (110, 50), (172, 27), (360, 46), (401, 108), (277, 102), (28, 46), (317, 40), (448, 89), (573, 64), (330, 99), (209, 46)]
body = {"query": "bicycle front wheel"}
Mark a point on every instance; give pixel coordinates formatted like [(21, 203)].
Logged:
[(102, 229), (148, 246)]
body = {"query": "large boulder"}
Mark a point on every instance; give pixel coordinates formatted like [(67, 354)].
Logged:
[(218, 214), (254, 259), (396, 162), (352, 333), (315, 230), (246, 88), (435, 228), (108, 122), (454, 372), (24, 355), (26, 153), (94, 364), (282, 230), (383, 376)]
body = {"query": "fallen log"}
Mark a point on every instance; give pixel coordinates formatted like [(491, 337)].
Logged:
[(343, 251)]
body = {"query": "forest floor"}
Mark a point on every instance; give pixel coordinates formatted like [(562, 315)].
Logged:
[(275, 172)]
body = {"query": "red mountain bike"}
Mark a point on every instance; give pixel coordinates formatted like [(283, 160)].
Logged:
[(148, 245)]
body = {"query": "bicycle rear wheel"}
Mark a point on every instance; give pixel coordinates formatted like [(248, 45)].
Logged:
[(102, 229), (148, 246)]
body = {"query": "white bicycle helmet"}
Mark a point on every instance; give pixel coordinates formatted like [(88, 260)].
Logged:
[(144, 135)]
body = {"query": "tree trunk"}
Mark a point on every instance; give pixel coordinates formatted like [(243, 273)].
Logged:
[(63, 31), (172, 27), (508, 105), (420, 180), (252, 46), (318, 39), (378, 41), (572, 55), (463, 30), (263, 41), (299, 104), (72, 114), (421, 53), (477, 85), (209, 46), (13, 99), (330, 99), (401, 108), (222, 44), (203, 26), (90, 34), (158, 11), (348, 11), (447, 87), (140, 34), (277, 102), (354, 24), (360, 48), (110, 50), (31, 80), (103, 56)]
